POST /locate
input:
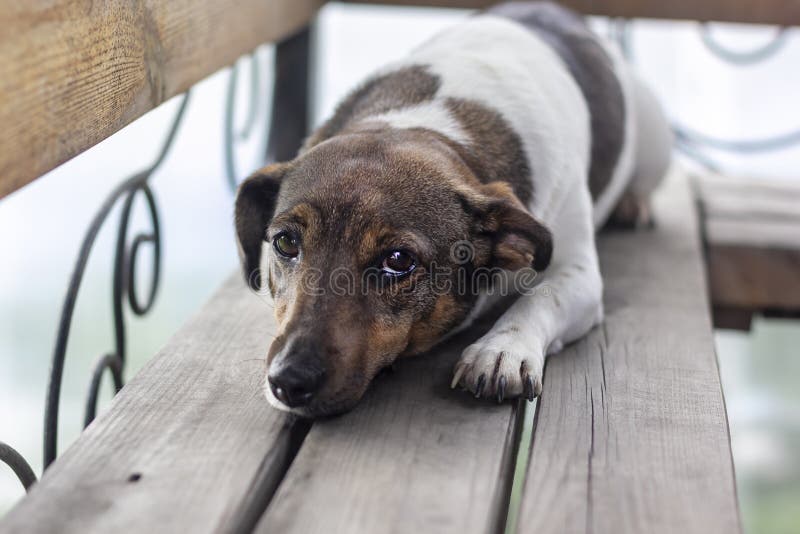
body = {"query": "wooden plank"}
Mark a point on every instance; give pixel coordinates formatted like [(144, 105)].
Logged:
[(75, 71), (413, 456), (732, 318), (631, 433), (755, 212), (751, 228), (765, 232), (754, 278), (780, 12), (189, 445)]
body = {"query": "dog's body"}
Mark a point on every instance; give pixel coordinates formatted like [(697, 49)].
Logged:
[(519, 132)]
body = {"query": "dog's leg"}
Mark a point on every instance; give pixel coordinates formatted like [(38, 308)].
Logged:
[(508, 361), (652, 159)]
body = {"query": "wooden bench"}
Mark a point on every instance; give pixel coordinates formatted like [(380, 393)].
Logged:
[(630, 434), (751, 231)]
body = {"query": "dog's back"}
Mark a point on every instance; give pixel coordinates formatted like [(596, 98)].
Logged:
[(593, 68), (527, 94)]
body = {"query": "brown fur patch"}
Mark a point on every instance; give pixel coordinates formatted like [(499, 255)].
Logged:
[(255, 203), (496, 152), (445, 315), (394, 90)]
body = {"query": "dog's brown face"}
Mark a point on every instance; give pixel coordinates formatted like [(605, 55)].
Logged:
[(355, 241)]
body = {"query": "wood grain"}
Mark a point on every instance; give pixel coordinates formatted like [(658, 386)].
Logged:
[(754, 278), (744, 211), (189, 445), (631, 433), (751, 228), (72, 72), (414, 456)]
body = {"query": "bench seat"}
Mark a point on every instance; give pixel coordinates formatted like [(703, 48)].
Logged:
[(751, 231), (630, 434)]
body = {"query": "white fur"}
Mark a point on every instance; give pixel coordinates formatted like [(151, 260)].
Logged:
[(432, 115), (504, 66), (621, 176)]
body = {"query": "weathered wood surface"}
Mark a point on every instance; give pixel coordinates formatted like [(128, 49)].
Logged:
[(631, 433), (72, 72), (779, 12), (414, 456), (754, 278), (751, 229), (754, 212), (189, 445)]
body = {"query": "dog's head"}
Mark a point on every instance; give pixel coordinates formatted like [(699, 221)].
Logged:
[(369, 244)]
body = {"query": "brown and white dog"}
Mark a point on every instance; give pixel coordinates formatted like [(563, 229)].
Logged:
[(494, 151)]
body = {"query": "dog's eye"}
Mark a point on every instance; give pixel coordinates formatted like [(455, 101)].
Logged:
[(398, 263), (286, 245)]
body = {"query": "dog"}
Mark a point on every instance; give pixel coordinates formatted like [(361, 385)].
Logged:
[(499, 146)]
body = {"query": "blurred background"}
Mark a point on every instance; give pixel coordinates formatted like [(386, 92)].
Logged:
[(42, 225)]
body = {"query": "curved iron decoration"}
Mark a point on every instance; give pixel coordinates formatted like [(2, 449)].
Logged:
[(231, 136), (124, 284), (767, 144), (691, 142), (17, 463), (747, 57), (289, 104)]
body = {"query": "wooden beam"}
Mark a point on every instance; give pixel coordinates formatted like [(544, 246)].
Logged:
[(779, 12), (413, 456), (189, 445), (754, 278), (74, 72), (631, 433), (751, 228)]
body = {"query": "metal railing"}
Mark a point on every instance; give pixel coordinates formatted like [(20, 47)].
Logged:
[(284, 134), (694, 143)]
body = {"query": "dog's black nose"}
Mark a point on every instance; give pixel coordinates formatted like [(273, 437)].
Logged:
[(295, 384)]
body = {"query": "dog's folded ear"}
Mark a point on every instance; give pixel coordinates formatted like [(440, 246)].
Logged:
[(255, 206), (518, 240)]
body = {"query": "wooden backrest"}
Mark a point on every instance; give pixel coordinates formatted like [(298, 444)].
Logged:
[(73, 72)]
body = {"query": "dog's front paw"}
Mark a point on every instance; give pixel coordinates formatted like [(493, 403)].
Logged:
[(502, 367)]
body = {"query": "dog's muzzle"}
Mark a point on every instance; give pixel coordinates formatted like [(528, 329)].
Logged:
[(297, 373)]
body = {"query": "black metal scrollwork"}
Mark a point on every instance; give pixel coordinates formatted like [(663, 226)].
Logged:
[(692, 143), (746, 57), (17, 463), (124, 284), (289, 105), (231, 136)]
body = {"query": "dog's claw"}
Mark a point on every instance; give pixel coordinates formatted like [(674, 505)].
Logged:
[(528, 385), (457, 376), (537, 388), (501, 389), (479, 387)]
